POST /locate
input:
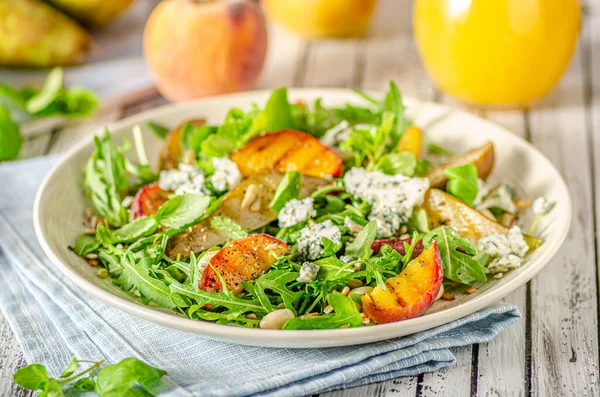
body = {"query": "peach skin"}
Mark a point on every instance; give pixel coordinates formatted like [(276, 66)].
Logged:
[(287, 150), (198, 48), (408, 294)]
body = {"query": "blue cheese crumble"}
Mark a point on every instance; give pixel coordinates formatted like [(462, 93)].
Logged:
[(308, 272), (310, 242), (227, 174), (393, 197), (296, 211), (205, 260), (541, 206), (184, 179), (507, 251), (500, 197)]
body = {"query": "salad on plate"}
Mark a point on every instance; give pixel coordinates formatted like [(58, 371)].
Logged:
[(301, 216)]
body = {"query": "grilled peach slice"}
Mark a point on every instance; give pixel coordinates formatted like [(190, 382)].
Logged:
[(445, 209), (411, 141), (408, 294), (287, 150), (170, 153), (243, 259), (398, 245), (482, 157), (148, 200)]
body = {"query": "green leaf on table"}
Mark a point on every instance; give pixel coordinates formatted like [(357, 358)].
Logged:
[(462, 182), (118, 379), (276, 115), (183, 211), (84, 384), (158, 129), (360, 248), (403, 163), (31, 377), (10, 136), (135, 276), (344, 313), (288, 189), (457, 255), (140, 227), (52, 87), (228, 226), (71, 367), (52, 388)]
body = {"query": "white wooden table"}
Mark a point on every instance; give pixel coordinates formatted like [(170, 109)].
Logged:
[(553, 350)]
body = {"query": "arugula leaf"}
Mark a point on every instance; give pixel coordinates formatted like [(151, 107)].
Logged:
[(370, 143), (393, 102), (140, 227), (288, 189), (105, 180), (86, 244), (228, 226), (433, 148), (423, 166), (462, 182), (419, 221), (360, 248), (10, 136), (384, 265), (31, 377), (158, 129), (457, 255), (84, 384), (276, 115), (134, 275), (329, 247), (404, 163), (118, 379), (345, 314), (331, 268), (218, 299), (276, 281), (182, 211)]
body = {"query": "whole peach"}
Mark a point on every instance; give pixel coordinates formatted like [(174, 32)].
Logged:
[(198, 48)]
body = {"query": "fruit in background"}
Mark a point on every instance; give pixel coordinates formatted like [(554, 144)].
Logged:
[(244, 259), (36, 35), (322, 18), (287, 150), (92, 13), (500, 52), (201, 48), (408, 294)]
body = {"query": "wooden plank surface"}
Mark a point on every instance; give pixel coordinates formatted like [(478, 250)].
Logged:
[(553, 350)]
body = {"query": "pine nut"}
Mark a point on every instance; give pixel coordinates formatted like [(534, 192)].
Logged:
[(91, 256), (328, 309), (448, 297), (89, 231), (102, 273), (345, 290), (470, 290), (93, 262), (366, 290), (440, 292), (276, 319), (251, 316)]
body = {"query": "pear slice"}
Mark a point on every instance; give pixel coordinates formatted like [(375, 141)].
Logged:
[(36, 35), (92, 13)]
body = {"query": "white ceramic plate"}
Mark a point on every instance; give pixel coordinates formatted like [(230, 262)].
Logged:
[(60, 204)]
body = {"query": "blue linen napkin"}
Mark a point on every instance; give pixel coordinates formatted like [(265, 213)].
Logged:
[(54, 320)]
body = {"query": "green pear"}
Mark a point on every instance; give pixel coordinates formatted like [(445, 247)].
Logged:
[(36, 35), (92, 13)]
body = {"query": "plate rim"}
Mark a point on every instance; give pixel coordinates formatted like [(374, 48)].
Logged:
[(290, 339)]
